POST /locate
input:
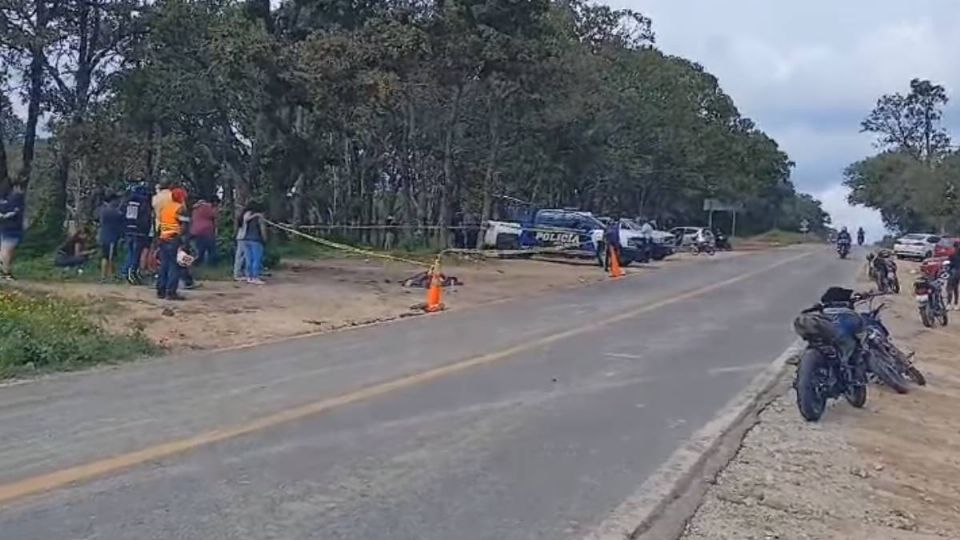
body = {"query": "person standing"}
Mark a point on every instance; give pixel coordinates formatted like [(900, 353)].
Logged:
[(12, 208), (953, 280), (203, 230), (173, 225), (137, 224), (251, 236), (111, 228), (611, 240)]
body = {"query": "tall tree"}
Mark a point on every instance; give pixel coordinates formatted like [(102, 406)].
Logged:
[(911, 123)]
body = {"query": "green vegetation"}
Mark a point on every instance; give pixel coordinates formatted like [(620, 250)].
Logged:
[(379, 112), (914, 180), (44, 333), (782, 238)]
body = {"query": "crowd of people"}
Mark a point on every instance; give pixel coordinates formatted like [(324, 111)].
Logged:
[(141, 232)]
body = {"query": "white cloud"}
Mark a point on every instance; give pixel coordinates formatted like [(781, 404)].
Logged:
[(842, 214), (809, 72)]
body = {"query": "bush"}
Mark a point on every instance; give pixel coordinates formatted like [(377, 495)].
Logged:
[(45, 333)]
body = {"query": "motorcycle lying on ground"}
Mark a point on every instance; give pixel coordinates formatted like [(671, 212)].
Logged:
[(930, 302), (843, 248), (833, 364), (885, 360)]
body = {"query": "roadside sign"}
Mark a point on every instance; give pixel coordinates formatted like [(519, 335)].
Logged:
[(716, 205), (804, 226)]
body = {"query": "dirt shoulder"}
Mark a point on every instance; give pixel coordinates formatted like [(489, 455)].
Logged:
[(890, 471), (322, 295)]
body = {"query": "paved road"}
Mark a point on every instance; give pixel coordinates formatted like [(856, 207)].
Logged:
[(529, 419)]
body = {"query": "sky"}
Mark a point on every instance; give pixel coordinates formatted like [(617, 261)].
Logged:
[(809, 71)]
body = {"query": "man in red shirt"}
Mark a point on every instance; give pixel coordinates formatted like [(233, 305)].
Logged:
[(203, 229)]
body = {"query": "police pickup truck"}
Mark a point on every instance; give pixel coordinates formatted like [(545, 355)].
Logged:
[(577, 233)]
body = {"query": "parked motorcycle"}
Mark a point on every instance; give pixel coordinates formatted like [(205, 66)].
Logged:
[(930, 302), (721, 240), (885, 360), (703, 247), (885, 275), (834, 362), (843, 248)]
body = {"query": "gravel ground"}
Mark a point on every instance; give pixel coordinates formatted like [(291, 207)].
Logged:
[(890, 471)]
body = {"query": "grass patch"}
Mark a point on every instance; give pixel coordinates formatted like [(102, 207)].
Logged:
[(779, 237), (43, 333)]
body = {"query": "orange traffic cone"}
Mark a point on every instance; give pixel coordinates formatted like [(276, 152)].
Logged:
[(615, 270), (434, 294)]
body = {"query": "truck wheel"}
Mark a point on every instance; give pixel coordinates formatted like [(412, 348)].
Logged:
[(507, 242)]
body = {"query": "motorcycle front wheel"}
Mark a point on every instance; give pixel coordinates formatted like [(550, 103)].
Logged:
[(811, 395), (886, 370)]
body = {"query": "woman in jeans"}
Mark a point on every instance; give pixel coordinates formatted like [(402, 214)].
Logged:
[(251, 236)]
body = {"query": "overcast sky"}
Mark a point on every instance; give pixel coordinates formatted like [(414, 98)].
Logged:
[(808, 72)]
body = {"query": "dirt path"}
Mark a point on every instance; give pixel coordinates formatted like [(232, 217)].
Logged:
[(312, 296), (890, 471)]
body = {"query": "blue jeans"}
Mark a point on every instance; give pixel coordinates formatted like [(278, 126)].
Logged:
[(206, 250), (169, 278), (135, 245), (253, 256), (239, 261)]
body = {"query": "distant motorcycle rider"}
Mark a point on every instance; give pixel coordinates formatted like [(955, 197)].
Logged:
[(843, 236), (860, 236)]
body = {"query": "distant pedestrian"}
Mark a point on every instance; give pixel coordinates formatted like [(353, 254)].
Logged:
[(251, 236), (12, 208), (173, 225), (611, 241), (953, 280), (137, 231), (108, 237), (203, 230), (73, 252)]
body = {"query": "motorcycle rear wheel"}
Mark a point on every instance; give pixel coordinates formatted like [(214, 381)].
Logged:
[(811, 398), (925, 317)]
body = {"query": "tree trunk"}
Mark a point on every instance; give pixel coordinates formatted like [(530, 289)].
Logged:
[(488, 176), (4, 174), (446, 192), (34, 94)]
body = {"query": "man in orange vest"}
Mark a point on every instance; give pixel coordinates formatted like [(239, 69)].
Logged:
[(172, 228)]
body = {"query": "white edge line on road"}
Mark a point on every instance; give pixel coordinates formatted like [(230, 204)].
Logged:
[(636, 516)]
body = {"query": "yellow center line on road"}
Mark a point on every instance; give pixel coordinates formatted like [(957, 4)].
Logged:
[(81, 473)]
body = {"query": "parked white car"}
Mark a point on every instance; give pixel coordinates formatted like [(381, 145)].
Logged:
[(916, 246)]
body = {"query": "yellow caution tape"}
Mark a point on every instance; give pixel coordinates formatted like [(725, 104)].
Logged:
[(434, 266)]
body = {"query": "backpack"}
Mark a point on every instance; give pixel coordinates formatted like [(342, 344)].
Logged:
[(136, 215)]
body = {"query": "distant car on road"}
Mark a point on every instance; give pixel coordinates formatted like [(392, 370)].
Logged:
[(944, 247), (689, 236), (915, 246)]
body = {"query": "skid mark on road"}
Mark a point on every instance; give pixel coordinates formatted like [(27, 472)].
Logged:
[(81, 473)]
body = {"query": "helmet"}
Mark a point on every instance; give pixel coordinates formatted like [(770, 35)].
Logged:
[(843, 229), (184, 259)]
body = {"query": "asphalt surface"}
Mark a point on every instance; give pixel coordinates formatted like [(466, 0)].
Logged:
[(559, 409)]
